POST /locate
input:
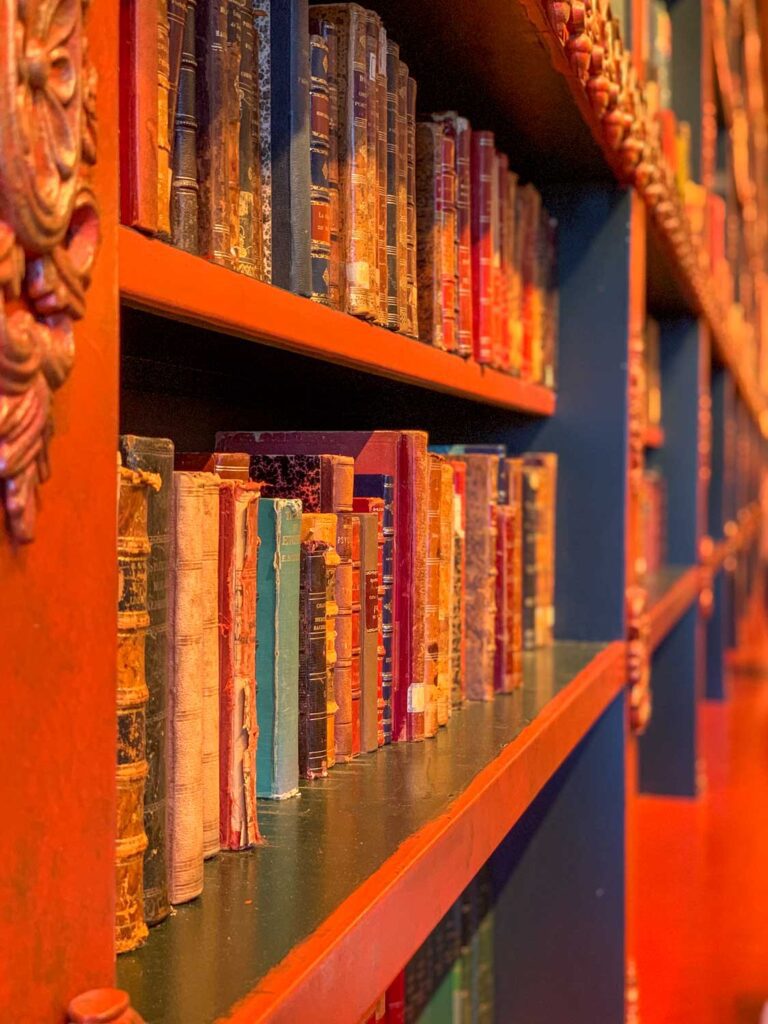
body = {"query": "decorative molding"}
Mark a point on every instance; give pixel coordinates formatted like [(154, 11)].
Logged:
[(102, 1006), (638, 658), (49, 231), (706, 576)]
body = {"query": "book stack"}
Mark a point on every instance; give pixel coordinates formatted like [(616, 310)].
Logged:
[(328, 593), (653, 519)]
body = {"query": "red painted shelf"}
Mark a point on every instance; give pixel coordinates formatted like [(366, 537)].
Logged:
[(383, 847), (160, 279), (671, 592)]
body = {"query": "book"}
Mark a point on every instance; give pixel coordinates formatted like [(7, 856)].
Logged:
[(209, 528), (184, 821), (458, 130), (155, 455), (261, 15), (432, 597), (482, 177), (133, 550), (372, 667), (412, 231), (372, 31), (184, 188), (429, 231), (277, 657), (530, 491), (313, 672), (163, 134), (231, 141), (328, 33), (355, 610), (176, 15), (248, 235), (214, 217), (540, 478), (458, 587), (391, 169), (401, 159), (381, 175), (444, 605), (319, 148), (503, 336), (291, 217)]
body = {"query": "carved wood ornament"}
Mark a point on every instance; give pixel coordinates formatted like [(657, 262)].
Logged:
[(638, 659), (49, 230)]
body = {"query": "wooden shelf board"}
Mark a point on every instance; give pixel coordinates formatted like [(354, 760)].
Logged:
[(653, 436), (161, 279), (380, 848), (671, 592)]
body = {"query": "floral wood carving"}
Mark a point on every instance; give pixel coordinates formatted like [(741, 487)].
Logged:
[(638, 658), (49, 230)]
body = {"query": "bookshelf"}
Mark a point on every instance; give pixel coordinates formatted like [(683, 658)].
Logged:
[(539, 785)]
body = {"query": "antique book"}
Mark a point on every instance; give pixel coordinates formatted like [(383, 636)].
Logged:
[(163, 134), (374, 507), (502, 357), (133, 550), (499, 341), (445, 602), (481, 495), (139, 108), (232, 122), (514, 477), (393, 61), (375, 487), (411, 237), (458, 585), (350, 21), (552, 300), (238, 735), (262, 147), (429, 232), (319, 145), (321, 528), (347, 666), (446, 197), (323, 482), (544, 466), (502, 680), (155, 455), (529, 214), (372, 30), (432, 597), (248, 239), (209, 528), (458, 130), (185, 700), (515, 281), (356, 690), (381, 174), (401, 159), (369, 630), (313, 674), (277, 657), (328, 32), (530, 525), (184, 188), (214, 218), (482, 176), (176, 13)]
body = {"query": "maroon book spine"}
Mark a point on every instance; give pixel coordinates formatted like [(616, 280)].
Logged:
[(483, 168)]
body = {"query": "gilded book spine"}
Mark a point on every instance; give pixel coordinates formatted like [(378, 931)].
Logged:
[(320, 193), (212, 134), (401, 158), (501, 681), (177, 17), (235, 11), (184, 189), (458, 592), (248, 224), (342, 674), (373, 27), (132, 696), (209, 527), (163, 135), (393, 60), (429, 249), (417, 471), (482, 244), (411, 269), (446, 202), (464, 235), (357, 606), (261, 12), (313, 677), (381, 174), (432, 598), (445, 618), (515, 498), (335, 282)]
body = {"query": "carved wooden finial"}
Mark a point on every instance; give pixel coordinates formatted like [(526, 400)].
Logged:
[(102, 1006)]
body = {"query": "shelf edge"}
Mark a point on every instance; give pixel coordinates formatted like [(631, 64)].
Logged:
[(673, 604)]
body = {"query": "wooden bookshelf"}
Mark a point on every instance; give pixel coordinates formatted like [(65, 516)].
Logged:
[(306, 923), (160, 279), (671, 592)]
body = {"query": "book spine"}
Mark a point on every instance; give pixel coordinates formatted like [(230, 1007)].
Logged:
[(531, 484), (448, 232), (381, 175), (417, 477), (372, 29), (332, 562), (357, 636), (319, 144), (209, 528), (432, 598), (261, 14), (401, 158), (482, 245), (232, 121), (497, 356), (343, 670), (458, 600), (370, 624), (212, 133), (411, 270), (515, 294), (185, 704), (313, 678), (501, 677), (177, 17), (515, 597), (393, 311), (132, 695), (184, 188), (429, 249), (163, 134), (464, 318), (482, 473), (277, 657), (290, 146), (335, 279), (139, 153), (155, 455), (504, 353), (248, 224), (447, 559), (553, 301)]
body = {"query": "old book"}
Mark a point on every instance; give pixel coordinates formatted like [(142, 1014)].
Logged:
[(458, 585), (328, 32), (482, 171), (381, 174), (369, 630), (289, 43), (514, 499), (372, 30), (356, 688), (163, 134), (323, 482), (177, 17), (429, 234), (155, 455), (352, 120), (515, 281), (184, 188), (209, 527), (502, 677), (138, 114), (497, 338), (445, 602), (321, 528), (552, 300), (374, 507), (231, 141), (503, 338), (238, 561), (544, 466), (185, 703), (277, 657), (313, 674), (531, 511), (458, 129), (214, 219), (529, 214), (393, 61), (432, 597), (378, 488), (446, 198), (347, 665), (411, 237), (401, 158), (261, 15), (133, 549), (481, 495), (248, 238), (320, 197)]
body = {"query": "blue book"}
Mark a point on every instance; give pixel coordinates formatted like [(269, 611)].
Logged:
[(277, 654)]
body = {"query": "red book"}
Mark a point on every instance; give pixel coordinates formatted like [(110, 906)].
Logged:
[(446, 205), (356, 637), (483, 177), (464, 234), (376, 505), (503, 337)]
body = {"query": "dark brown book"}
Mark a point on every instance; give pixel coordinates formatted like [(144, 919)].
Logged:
[(248, 219), (313, 678), (328, 33), (429, 237), (177, 17), (235, 14), (319, 157), (184, 187), (458, 129), (262, 124), (213, 132)]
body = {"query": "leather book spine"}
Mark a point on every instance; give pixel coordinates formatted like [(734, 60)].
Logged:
[(261, 14), (139, 153), (212, 132), (313, 677), (319, 143), (414, 508), (184, 188), (132, 696), (290, 146), (490, 615), (402, 197), (277, 656), (370, 625), (458, 590), (446, 195), (328, 32), (546, 462), (163, 135), (502, 655), (529, 216), (342, 673), (177, 17), (185, 704), (464, 319), (393, 313), (515, 498), (504, 354), (155, 455), (372, 29), (209, 528), (515, 292), (357, 637), (338, 482), (482, 245), (232, 121), (238, 560), (531, 484), (539, 291), (497, 342), (429, 235), (248, 222), (445, 618), (375, 506), (411, 268), (553, 305), (381, 170), (432, 597)]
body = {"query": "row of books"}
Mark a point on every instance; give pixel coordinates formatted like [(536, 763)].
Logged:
[(294, 154), (450, 978), (298, 599)]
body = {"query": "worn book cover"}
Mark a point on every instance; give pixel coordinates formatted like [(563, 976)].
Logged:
[(261, 13), (214, 218), (502, 358), (313, 674), (277, 656), (184, 187), (540, 478), (412, 231), (163, 134), (381, 173), (391, 169), (445, 618), (429, 228), (155, 455), (232, 57), (248, 238), (432, 597), (372, 31), (319, 146), (483, 177), (458, 650), (458, 130), (209, 528), (372, 664), (401, 159)]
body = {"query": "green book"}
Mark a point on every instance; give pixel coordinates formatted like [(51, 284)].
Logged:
[(277, 654)]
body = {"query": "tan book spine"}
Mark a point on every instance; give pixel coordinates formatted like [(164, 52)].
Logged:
[(381, 173), (373, 27), (429, 238), (209, 528), (411, 270), (401, 162), (163, 134), (445, 602)]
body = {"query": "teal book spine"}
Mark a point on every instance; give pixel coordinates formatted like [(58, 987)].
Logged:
[(277, 655)]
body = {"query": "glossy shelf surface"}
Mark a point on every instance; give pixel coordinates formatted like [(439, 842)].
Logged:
[(671, 591)]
